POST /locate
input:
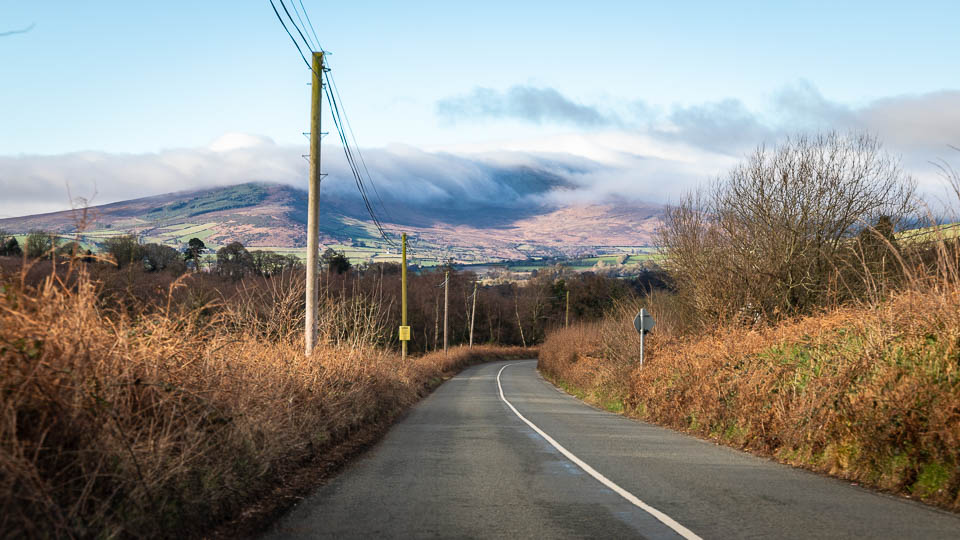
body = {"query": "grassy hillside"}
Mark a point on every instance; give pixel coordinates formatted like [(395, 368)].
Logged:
[(229, 198)]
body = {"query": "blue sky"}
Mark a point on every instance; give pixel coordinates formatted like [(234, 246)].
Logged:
[(142, 78)]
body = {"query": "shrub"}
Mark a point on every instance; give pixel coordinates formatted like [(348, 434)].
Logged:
[(868, 390), (40, 244), (233, 260), (125, 249), (9, 246), (771, 238), (158, 257), (335, 261), (268, 263)]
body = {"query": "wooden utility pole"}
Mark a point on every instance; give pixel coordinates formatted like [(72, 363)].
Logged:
[(566, 318), (473, 312), (436, 322), (446, 305), (313, 207), (403, 297)]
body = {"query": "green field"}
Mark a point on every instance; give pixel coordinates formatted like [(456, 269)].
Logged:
[(183, 232)]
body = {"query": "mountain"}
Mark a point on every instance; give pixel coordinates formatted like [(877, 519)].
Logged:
[(273, 216)]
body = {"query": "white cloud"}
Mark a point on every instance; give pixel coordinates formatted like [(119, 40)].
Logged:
[(703, 140), (662, 153)]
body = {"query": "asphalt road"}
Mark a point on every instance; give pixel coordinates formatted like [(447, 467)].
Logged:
[(464, 464)]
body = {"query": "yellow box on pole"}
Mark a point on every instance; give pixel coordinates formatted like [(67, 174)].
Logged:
[(404, 333)]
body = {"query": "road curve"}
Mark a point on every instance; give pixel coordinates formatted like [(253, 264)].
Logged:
[(468, 462)]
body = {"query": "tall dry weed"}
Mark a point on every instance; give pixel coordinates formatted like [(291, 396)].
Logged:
[(161, 420)]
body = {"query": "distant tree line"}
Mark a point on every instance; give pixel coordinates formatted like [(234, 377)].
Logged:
[(40, 245), (232, 260), (124, 251), (235, 261), (507, 311)]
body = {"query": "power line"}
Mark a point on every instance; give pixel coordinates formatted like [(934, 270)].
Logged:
[(351, 160), (357, 145), (285, 10), (339, 99), (294, 40), (310, 43), (339, 119), (310, 25)]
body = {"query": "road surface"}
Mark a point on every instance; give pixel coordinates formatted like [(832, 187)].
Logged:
[(497, 452)]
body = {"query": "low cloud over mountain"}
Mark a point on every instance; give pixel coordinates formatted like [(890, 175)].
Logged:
[(919, 127), (401, 175), (626, 150)]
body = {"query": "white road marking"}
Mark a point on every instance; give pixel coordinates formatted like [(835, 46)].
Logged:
[(663, 518)]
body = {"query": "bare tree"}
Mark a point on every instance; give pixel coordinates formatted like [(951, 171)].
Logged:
[(769, 237)]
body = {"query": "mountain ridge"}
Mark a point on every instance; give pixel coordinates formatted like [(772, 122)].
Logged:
[(270, 215)]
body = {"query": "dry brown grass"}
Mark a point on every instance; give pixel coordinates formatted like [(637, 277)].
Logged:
[(867, 392), (163, 422)]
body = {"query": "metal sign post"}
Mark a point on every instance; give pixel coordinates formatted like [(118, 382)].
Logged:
[(643, 322)]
